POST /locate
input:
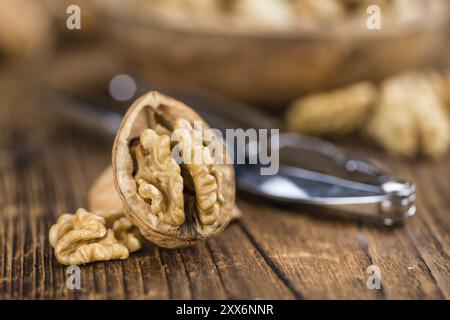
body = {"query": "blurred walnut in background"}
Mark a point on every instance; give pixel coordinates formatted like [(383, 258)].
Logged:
[(409, 115), (33, 31), (25, 30), (405, 114), (337, 112), (266, 13)]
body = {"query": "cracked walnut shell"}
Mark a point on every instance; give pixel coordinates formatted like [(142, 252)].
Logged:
[(174, 204)]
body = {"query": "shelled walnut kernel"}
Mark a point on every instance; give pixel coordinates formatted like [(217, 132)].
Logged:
[(85, 237)]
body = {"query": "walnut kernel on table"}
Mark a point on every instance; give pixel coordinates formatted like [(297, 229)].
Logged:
[(85, 237)]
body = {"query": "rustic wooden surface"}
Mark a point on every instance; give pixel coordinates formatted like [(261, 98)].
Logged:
[(46, 169)]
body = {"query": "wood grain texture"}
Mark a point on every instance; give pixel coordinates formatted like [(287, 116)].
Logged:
[(273, 252)]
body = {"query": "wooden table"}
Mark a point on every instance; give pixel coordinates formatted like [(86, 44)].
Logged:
[(46, 169)]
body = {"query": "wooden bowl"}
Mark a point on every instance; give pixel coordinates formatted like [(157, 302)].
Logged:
[(274, 67)]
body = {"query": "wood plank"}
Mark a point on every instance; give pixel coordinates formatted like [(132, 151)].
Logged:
[(430, 235), (319, 257), (244, 272), (273, 252), (415, 264), (182, 274), (404, 274), (205, 280)]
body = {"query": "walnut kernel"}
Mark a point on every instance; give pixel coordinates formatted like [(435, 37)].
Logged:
[(337, 112), (410, 118), (84, 237)]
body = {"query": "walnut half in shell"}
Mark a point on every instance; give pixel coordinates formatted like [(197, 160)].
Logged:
[(174, 204)]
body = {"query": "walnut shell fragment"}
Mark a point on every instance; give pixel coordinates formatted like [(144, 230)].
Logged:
[(173, 204), (85, 237)]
